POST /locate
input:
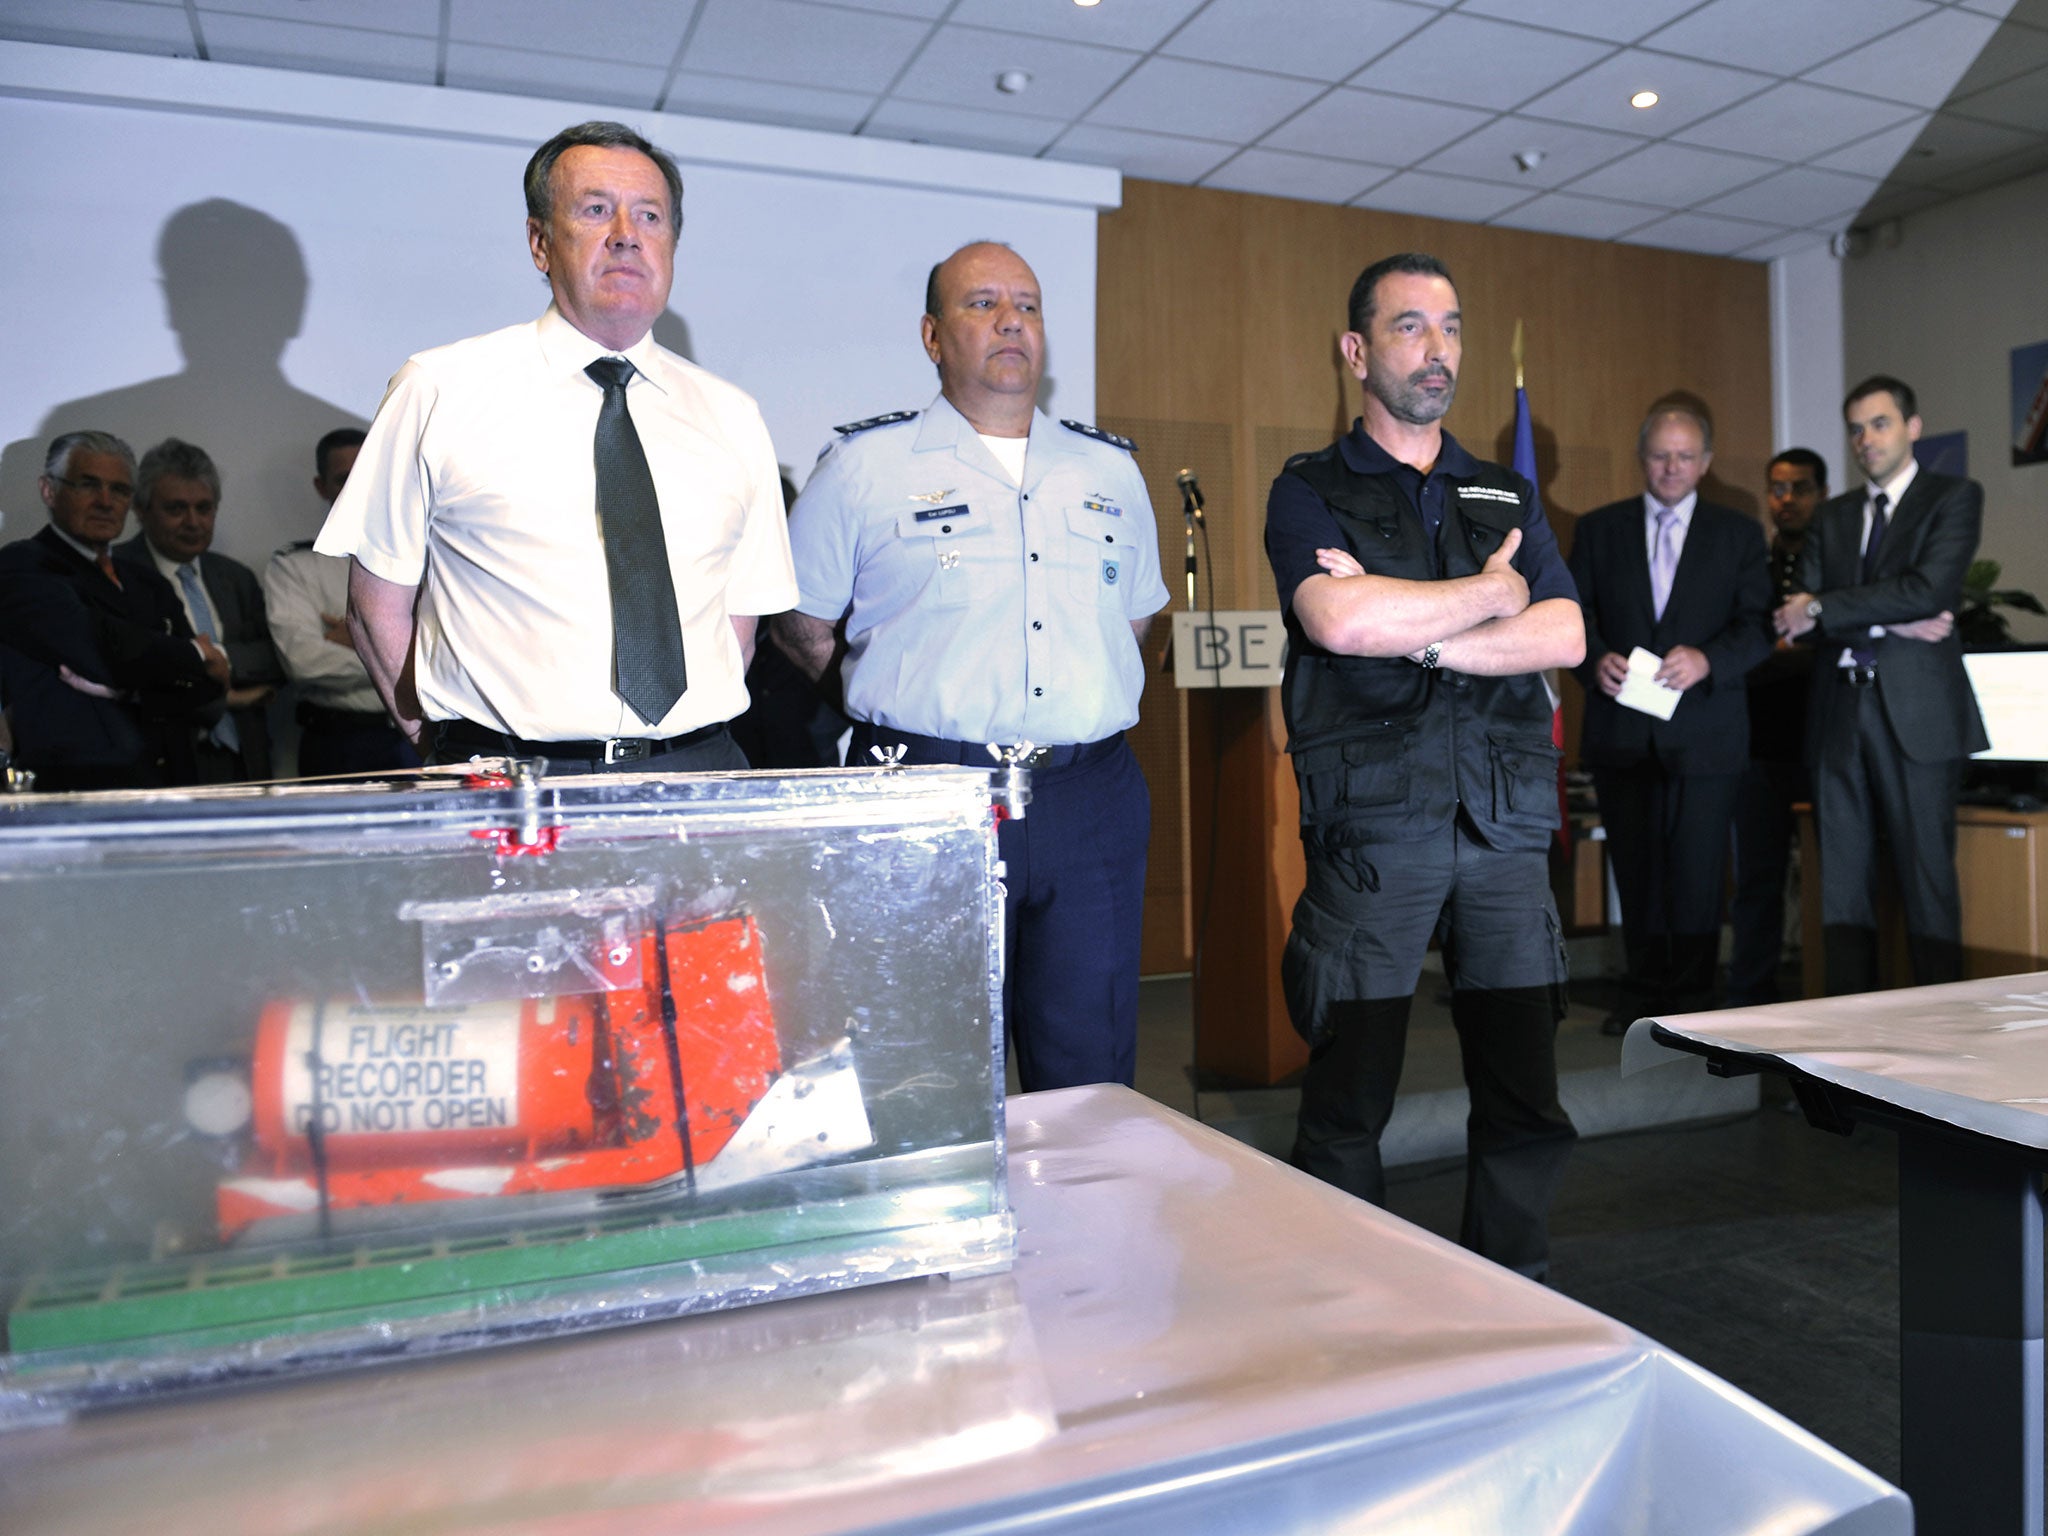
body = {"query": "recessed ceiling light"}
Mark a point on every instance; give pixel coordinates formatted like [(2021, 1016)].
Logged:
[(1012, 82), (1086, 3), (1643, 99)]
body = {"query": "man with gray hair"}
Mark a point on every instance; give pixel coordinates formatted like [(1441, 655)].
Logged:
[(177, 500), (563, 534), (1687, 584), (104, 677)]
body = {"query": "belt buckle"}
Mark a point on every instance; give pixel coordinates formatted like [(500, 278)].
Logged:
[(627, 749), (1035, 756)]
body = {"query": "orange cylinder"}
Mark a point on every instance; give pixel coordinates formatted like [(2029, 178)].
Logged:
[(392, 1083)]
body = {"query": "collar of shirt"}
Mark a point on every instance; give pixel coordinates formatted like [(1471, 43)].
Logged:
[(1895, 488), (83, 548), (168, 568), (1652, 506), (1367, 457), (942, 426), (568, 350)]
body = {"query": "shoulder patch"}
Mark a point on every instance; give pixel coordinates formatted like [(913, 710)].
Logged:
[(855, 428), (1100, 435)]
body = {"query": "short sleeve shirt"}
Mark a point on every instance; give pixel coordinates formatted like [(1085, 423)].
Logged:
[(977, 609)]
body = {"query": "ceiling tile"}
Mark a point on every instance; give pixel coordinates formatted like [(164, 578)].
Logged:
[(1783, 245), (1560, 213), (1618, 21), (329, 50), (1995, 173), (1706, 236), (1919, 64), (960, 64), (123, 25), (1443, 197), (1795, 122), (1687, 91), (2013, 51), (1673, 175), (761, 101), (2021, 103), (1276, 173), (1322, 39), (962, 127), (421, 18), (1878, 155), (1174, 96), (931, 10), (518, 72), (1998, 10), (1480, 63), (1141, 24), (1157, 156), (1801, 196), (1568, 152), (1379, 130), (1778, 37), (803, 44), (637, 31)]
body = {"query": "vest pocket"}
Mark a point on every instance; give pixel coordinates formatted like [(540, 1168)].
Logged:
[(1372, 773), (1524, 779)]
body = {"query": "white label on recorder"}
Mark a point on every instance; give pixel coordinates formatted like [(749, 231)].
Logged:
[(401, 1069)]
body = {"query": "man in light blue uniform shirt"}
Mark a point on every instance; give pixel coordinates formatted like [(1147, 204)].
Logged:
[(989, 576)]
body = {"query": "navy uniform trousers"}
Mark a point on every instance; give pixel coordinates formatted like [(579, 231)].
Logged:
[(1074, 865), (1350, 970)]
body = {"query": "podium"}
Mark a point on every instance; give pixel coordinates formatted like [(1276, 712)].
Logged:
[(1244, 817)]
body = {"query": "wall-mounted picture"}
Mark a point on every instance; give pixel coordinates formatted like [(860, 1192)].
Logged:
[(1946, 453), (2030, 404)]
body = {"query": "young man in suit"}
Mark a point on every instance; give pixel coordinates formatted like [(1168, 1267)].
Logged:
[(104, 677), (177, 498), (1689, 582), (1893, 716)]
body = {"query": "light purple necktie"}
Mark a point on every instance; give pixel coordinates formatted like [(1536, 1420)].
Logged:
[(1663, 559)]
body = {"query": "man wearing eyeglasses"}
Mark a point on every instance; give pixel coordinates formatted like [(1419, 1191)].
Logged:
[(105, 679)]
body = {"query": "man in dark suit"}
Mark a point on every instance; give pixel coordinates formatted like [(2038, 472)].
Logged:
[(1893, 716), (1686, 581), (104, 677), (177, 499)]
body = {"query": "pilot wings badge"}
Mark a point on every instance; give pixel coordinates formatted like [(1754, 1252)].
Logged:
[(933, 497)]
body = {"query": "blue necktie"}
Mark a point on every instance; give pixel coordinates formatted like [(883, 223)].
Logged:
[(224, 733)]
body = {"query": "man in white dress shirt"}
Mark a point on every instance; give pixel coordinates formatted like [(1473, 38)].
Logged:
[(563, 534)]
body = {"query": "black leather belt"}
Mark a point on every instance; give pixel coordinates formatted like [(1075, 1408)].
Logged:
[(975, 754), (1860, 676), (468, 736)]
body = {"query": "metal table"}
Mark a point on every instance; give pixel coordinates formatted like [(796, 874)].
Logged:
[(1960, 1073), (1194, 1338)]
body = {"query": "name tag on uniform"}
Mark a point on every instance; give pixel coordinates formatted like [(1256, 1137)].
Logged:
[(932, 514)]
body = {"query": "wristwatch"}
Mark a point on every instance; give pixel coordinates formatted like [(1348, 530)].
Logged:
[(1813, 610), (1430, 653)]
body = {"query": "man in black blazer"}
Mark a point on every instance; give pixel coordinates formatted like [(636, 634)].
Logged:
[(177, 499), (1893, 716), (104, 678), (1688, 582)]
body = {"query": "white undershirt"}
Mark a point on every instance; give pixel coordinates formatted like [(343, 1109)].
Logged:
[(1009, 452)]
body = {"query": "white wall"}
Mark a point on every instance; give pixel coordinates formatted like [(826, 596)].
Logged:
[(1806, 357), (1940, 301), (328, 228)]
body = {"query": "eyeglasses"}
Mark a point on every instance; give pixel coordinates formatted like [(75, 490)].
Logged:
[(92, 485)]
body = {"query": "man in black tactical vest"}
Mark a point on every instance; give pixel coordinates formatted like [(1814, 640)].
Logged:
[(1424, 595)]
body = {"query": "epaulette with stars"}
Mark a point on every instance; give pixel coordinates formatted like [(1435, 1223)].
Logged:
[(855, 428), (1100, 435)]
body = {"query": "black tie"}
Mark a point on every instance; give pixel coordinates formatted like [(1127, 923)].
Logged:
[(647, 637), (1877, 505), (1865, 655)]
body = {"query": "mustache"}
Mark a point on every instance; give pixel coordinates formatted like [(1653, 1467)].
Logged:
[(1433, 371)]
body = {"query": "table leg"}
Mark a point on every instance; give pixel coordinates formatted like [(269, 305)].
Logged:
[(1970, 1313)]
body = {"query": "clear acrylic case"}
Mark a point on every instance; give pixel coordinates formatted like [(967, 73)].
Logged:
[(308, 1076)]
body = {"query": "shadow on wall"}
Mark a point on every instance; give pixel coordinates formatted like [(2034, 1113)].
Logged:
[(234, 284)]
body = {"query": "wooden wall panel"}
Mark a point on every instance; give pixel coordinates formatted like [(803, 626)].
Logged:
[(1218, 315)]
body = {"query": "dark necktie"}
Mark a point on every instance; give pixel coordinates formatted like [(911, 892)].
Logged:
[(647, 637), (1865, 655)]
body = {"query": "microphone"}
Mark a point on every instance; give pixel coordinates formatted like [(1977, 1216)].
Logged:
[(1191, 511)]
